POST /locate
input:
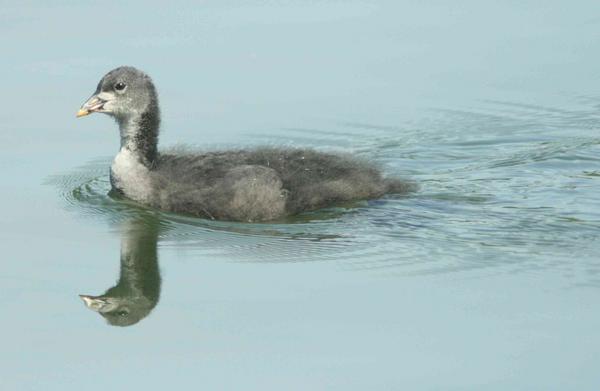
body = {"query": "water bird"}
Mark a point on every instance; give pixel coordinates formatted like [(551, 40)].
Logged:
[(249, 185)]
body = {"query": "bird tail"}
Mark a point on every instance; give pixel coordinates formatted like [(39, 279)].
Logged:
[(398, 186)]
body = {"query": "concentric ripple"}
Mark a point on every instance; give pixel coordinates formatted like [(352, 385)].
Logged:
[(504, 188)]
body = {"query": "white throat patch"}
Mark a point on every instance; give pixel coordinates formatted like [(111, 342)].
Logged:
[(130, 176)]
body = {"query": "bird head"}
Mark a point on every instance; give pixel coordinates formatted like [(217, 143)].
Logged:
[(119, 311), (122, 92)]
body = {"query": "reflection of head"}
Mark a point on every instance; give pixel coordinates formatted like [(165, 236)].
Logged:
[(138, 288)]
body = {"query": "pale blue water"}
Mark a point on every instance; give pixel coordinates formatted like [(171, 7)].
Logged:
[(487, 278)]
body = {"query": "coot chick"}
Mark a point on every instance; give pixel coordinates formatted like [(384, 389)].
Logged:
[(258, 184)]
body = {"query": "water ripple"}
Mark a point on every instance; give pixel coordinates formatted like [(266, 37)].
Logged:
[(506, 187)]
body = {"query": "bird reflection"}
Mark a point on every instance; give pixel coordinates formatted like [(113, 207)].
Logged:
[(138, 289)]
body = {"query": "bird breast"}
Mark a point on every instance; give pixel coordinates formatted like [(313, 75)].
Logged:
[(130, 176)]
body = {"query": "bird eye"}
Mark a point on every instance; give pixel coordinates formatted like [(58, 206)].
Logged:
[(122, 313), (120, 86)]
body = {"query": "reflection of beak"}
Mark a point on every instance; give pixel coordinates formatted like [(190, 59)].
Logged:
[(98, 303), (92, 105)]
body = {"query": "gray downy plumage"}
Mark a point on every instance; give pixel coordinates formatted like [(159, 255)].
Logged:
[(243, 185)]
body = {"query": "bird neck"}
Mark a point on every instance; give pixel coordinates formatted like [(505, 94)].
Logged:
[(139, 135), (140, 274)]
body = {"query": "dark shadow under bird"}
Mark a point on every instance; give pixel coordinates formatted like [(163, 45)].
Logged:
[(242, 185)]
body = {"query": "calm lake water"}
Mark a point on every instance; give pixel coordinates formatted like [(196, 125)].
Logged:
[(486, 278)]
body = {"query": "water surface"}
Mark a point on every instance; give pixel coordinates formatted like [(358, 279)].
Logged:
[(487, 277)]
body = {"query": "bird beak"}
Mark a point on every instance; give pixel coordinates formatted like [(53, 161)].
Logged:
[(97, 303), (94, 104)]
